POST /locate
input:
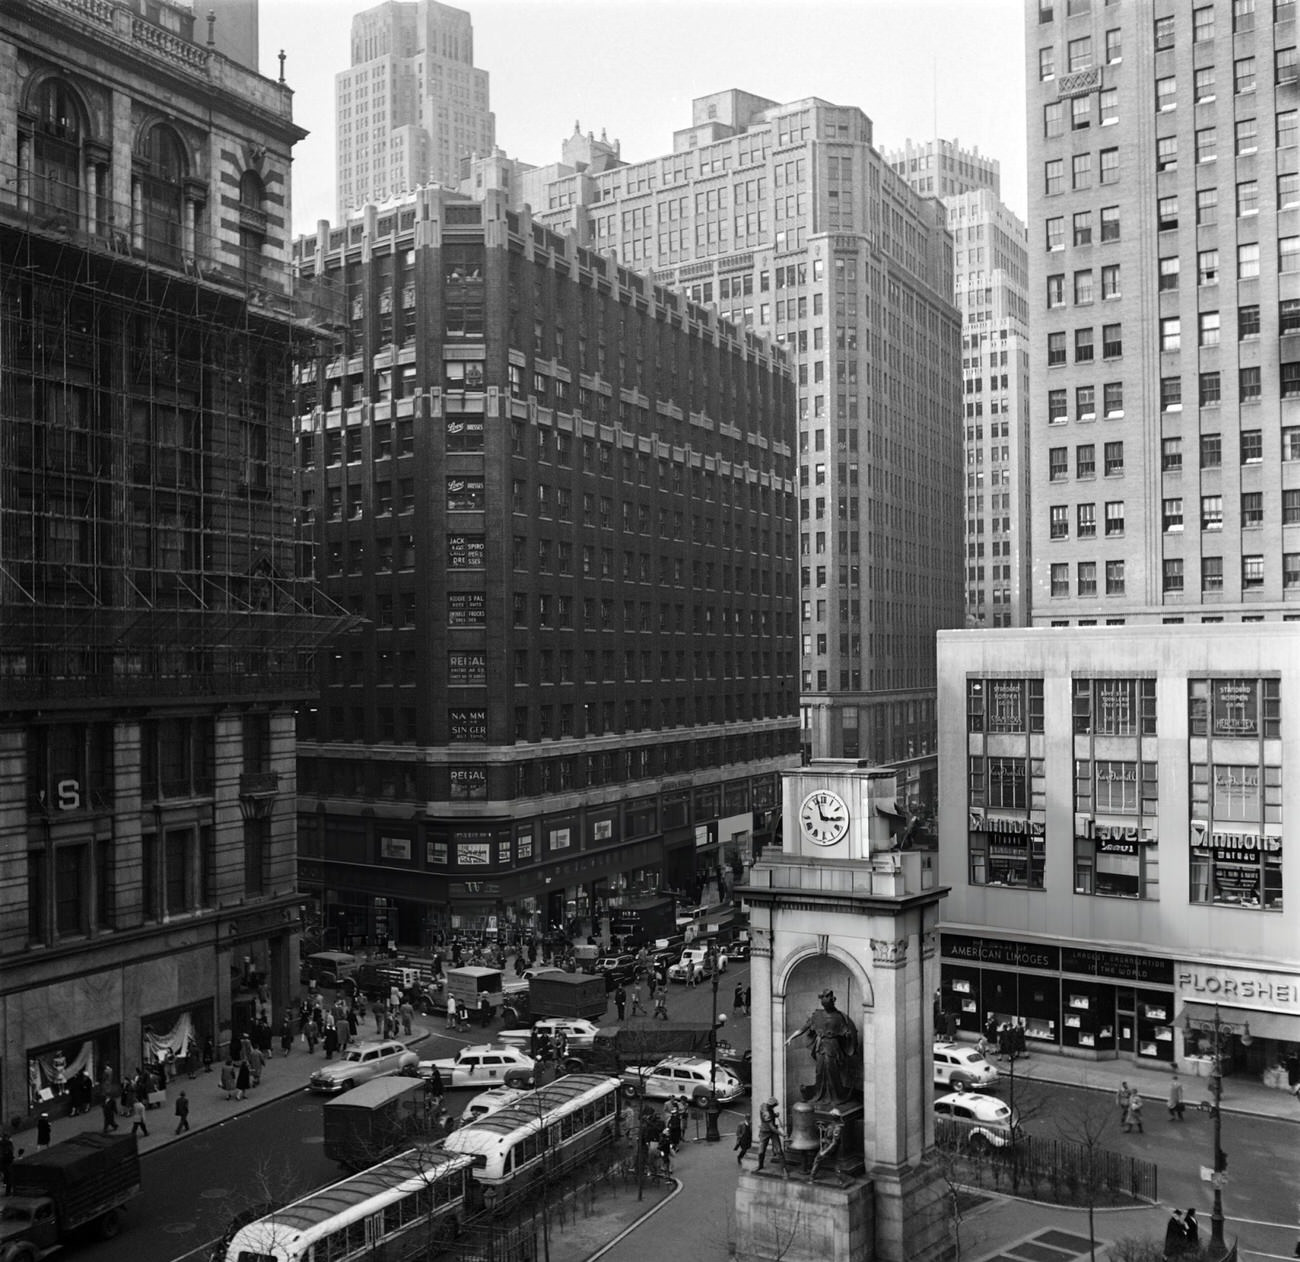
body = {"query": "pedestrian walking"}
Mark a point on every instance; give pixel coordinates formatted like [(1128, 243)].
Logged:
[(43, 1131), (620, 1001), (286, 1035), (229, 1077), (451, 1012), (330, 1039), (484, 1011), (690, 974), (137, 1118), (676, 1123), (408, 1015), (637, 1007), (1175, 1101), (1134, 1115), (747, 993), (738, 1003), (182, 1113), (661, 1006), (209, 1055), (243, 1080), (110, 1114), (666, 1153), (1121, 1100), (744, 1140), (255, 1063), (769, 1132)]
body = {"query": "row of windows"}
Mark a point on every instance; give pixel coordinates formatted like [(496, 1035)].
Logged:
[(1085, 465), (1086, 578), (1173, 576)]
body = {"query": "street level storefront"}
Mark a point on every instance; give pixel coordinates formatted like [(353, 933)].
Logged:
[(1258, 1014), (1083, 1001)]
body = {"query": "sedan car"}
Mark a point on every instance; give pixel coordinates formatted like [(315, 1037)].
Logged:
[(704, 961), (961, 1068), (577, 1032), (483, 1065), (617, 968), (357, 1063), (682, 1076), (965, 1119)]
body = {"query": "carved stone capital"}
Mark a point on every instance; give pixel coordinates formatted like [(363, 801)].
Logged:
[(929, 943), (889, 952)]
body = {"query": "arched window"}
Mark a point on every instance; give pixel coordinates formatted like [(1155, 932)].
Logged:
[(56, 152), (161, 202)]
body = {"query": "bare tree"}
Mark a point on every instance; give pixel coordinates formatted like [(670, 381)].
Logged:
[(1087, 1120)]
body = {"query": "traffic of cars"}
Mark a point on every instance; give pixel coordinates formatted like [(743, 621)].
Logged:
[(358, 1063), (960, 1068), (686, 1077), (578, 1033), (482, 1065), (966, 1119)]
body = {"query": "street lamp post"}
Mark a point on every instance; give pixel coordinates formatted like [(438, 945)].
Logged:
[(712, 1109), (1220, 1157)]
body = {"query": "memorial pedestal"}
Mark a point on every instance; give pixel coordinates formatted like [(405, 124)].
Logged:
[(792, 1220)]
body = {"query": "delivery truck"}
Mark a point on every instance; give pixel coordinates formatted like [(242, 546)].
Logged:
[(373, 1121), (83, 1182), (618, 1047), (567, 995), (468, 986), (639, 921)]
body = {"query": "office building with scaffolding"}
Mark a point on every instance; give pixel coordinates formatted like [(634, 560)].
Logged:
[(156, 621)]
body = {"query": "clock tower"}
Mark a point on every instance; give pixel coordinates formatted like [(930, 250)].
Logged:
[(844, 967)]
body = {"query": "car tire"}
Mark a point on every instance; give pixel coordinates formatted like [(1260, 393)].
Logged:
[(979, 1144), (629, 1091), (959, 1082), (110, 1225), (348, 1084)]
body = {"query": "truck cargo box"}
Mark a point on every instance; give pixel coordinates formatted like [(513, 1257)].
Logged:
[(567, 995), (85, 1176), (373, 1121)]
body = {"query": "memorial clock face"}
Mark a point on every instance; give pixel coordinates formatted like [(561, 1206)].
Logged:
[(824, 817)]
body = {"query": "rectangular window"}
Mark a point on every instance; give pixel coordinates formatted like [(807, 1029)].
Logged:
[(1285, 65), (1172, 515), (1081, 170), (1114, 578), (1288, 316), (1112, 341), (1055, 232), (1171, 455), (1054, 176), (1057, 407), (1207, 328), (1113, 400), (1056, 348), (1252, 508), (1167, 274), (1083, 227), (1203, 24), (1288, 254), (1243, 75), (1060, 576), (1085, 522), (1114, 454), (1108, 106), (1083, 345), (1059, 521), (1109, 166), (1243, 16), (1207, 206), (1083, 287), (1211, 574), (1114, 48), (1164, 33), (1114, 518), (1172, 574), (1211, 451), (1085, 403), (1080, 113), (1247, 198), (1046, 64), (1203, 85), (1207, 267), (1054, 119), (1056, 290), (1170, 333), (1291, 442), (1086, 578), (1206, 144), (1211, 512), (1110, 223), (1057, 465), (1110, 281), (1248, 384), (1248, 260), (1166, 153), (1286, 128), (1252, 571), (1288, 190), (1171, 394), (1166, 93), (1248, 321), (1291, 569), (1291, 379), (1209, 391), (1252, 446), (1291, 508), (1167, 214), (1079, 53), (1085, 461)]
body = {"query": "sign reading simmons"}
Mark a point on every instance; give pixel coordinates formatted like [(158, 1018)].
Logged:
[(979, 822)]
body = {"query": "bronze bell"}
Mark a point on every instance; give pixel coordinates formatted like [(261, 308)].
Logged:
[(803, 1129)]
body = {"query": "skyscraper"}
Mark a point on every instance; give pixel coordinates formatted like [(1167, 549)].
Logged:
[(991, 278), (785, 217), (1165, 274), (411, 106)]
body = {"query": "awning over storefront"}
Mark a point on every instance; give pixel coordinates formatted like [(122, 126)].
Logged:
[(1234, 1018)]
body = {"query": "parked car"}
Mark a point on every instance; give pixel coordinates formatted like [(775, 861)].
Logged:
[(975, 1121), (684, 1076), (357, 1063), (704, 960), (738, 950), (617, 968), (489, 1101), (577, 1031), (483, 1065), (960, 1068), (540, 971), (739, 1063)]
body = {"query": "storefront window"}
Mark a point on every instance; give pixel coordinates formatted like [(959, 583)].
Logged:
[(1115, 707), (1012, 859), (1234, 707)]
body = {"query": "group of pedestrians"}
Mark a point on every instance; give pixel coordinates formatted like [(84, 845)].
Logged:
[(1129, 1102)]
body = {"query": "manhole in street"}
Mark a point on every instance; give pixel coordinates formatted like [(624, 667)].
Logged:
[(214, 1194)]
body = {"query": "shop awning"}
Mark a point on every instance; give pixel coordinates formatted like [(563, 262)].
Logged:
[(1264, 1025)]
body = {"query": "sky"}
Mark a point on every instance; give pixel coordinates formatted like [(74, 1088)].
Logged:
[(632, 67)]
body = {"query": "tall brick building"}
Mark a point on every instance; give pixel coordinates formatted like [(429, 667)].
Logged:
[(564, 499)]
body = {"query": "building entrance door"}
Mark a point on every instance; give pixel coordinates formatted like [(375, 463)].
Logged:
[(1126, 1027)]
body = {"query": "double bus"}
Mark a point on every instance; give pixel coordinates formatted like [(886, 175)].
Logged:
[(544, 1134), (403, 1208)]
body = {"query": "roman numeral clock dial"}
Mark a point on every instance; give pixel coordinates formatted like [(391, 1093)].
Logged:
[(824, 817)]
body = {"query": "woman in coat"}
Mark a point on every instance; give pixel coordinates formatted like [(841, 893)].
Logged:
[(243, 1079)]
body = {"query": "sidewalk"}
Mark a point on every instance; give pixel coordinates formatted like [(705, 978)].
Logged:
[(281, 1076)]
